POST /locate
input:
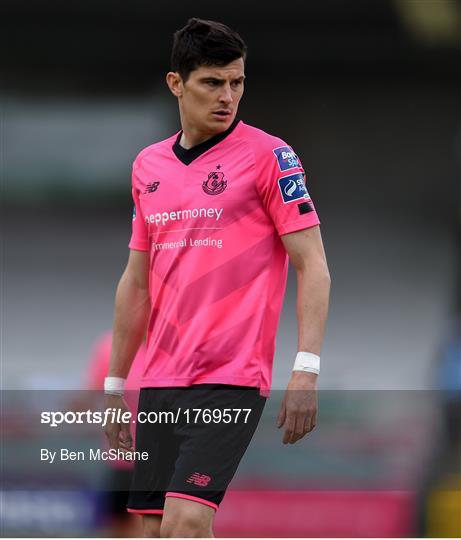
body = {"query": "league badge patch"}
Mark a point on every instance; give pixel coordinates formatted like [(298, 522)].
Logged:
[(286, 158), (293, 188)]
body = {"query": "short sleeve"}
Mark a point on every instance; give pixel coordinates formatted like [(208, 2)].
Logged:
[(139, 232), (283, 189)]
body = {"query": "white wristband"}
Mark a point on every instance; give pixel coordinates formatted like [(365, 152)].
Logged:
[(114, 386), (306, 361)]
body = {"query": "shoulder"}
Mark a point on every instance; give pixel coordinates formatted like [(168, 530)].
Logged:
[(155, 149), (271, 153), (264, 145), (259, 138)]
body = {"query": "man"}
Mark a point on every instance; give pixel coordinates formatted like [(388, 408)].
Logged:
[(218, 207)]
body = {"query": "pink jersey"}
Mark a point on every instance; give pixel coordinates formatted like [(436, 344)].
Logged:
[(211, 218)]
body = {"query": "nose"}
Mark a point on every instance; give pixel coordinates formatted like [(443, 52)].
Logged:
[(226, 95)]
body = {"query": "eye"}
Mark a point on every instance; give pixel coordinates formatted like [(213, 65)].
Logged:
[(212, 83), (237, 83)]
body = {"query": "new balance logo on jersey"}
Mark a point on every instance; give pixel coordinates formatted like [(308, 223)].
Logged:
[(286, 158), (292, 187), (198, 479), (150, 188)]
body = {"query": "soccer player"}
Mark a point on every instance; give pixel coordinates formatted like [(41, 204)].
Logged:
[(219, 208)]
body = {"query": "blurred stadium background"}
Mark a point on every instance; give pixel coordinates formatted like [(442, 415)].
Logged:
[(367, 93)]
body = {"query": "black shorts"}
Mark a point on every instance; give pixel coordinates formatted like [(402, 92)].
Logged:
[(116, 495), (195, 449)]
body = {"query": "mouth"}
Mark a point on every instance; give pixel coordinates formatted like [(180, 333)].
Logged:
[(222, 114)]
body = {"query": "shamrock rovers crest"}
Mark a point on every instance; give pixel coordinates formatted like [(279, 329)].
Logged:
[(215, 183)]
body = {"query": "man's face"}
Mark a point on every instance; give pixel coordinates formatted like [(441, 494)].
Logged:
[(210, 97)]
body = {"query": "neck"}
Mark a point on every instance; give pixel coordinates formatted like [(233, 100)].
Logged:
[(192, 136)]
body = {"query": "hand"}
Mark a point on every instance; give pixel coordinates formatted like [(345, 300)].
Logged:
[(118, 434), (298, 412)]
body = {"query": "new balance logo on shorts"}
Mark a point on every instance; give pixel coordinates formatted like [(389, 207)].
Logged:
[(286, 158), (198, 479)]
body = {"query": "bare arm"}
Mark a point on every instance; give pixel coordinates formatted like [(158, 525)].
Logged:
[(305, 250), (132, 307), (306, 253)]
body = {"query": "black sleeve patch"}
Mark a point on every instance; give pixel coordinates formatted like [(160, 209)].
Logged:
[(305, 208)]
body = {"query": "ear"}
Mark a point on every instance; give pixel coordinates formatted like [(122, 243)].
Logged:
[(175, 84)]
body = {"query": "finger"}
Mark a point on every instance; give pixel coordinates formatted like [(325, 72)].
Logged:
[(125, 438), (312, 421), (307, 424), (125, 444), (289, 427), (112, 436), (282, 415), (299, 428)]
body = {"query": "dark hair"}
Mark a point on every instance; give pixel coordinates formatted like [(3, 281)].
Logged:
[(205, 43)]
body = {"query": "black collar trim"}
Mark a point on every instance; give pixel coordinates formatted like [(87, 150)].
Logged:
[(187, 156)]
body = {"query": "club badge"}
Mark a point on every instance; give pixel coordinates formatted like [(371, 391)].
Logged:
[(215, 183)]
